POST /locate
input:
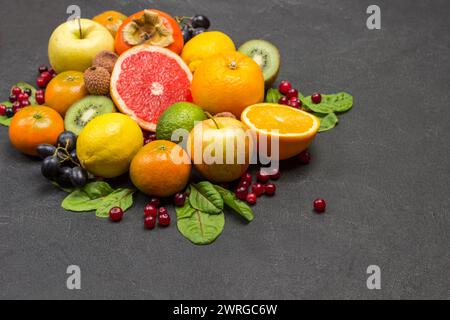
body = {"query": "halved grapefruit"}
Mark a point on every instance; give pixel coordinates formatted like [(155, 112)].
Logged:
[(147, 80)]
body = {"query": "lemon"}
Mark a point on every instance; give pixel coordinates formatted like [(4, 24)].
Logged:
[(204, 46), (108, 143)]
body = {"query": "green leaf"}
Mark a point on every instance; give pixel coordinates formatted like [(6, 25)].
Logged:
[(238, 206), (23, 85), (79, 201), (4, 120), (185, 211), (273, 95), (122, 198), (327, 121), (339, 102), (98, 189), (206, 198), (200, 228)]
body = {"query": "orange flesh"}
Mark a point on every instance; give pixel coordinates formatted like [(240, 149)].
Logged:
[(285, 120)]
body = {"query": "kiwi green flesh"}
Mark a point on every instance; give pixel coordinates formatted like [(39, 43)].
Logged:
[(266, 55), (86, 109)]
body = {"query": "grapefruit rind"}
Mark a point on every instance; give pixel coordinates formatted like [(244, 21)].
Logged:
[(119, 102)]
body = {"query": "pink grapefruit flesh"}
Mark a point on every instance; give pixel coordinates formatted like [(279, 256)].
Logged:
[(147, 80)]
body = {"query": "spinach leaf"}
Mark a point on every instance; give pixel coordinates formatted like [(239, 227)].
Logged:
[(122, 198), (4, 120), (339, 102), (327, 121), (98, 189), (200, 228), (204, 197), (323, 107), (273, 95), (238, 206)]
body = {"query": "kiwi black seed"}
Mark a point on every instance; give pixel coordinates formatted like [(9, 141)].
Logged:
[(86, 109), (266, 55)]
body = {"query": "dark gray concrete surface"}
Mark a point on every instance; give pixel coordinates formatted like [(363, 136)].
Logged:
[(384, 171)]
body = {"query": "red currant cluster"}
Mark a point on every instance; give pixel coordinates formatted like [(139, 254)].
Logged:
[(290, 96), (261, 187), (153, 212), (45, 76), (20, 98)]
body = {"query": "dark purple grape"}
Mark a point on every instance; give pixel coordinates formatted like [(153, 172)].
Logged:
[(67, 140), (28, 92), (9, 112), (79, 177), (45, 150), (63, 177), (73, 156), (198, 31), (187, 33), (50, 167), (201, 21)]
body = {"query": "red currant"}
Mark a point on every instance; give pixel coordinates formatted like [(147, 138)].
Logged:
[(275, 174), (241, 193), (292, 93), (285, 86), (25, 103), (47, 76), (270, 189), (320, 205), (316, 98), (22, 97), (247, 177), (245, 184), (52, 72), (150, 211), (283, 101), (42, 69), (16, 91), (40, 99), (258, 189), (150, 222), (2, 109), (40, 92), (155, 202), (262, 176), (116, 214), (12, 98), (179, 199), (304, 157), (40, 82), (252, 199), (16, 107), (294, 104), (163, 217)]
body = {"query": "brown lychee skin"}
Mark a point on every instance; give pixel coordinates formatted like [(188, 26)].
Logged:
[(105, 59), (97, 81)]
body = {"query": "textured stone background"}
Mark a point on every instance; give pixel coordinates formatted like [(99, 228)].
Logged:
[(384, 170)]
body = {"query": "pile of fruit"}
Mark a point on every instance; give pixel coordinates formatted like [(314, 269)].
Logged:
[(156, 97)]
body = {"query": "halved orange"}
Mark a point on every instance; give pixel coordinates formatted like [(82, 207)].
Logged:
[(294, 128)]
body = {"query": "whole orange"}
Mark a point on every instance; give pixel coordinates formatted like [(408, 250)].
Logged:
[(33, 126), (112, 20), (64, 90), (228, 82), (161, 169)]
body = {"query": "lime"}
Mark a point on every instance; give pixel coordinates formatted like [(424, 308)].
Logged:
[(181, 115)]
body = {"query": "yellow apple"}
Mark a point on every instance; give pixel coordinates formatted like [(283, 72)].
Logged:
[(75, 43), (220, 149)]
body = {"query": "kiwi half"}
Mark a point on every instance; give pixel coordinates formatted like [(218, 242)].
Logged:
[(86, 109), (266, 55)]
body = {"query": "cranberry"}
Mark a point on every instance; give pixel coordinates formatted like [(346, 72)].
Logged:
[(116, 214), (2, 109), (247, 177), (241, 193), (179, 199), (42, 69), (28, 92), (275, 174), (294, 104), (320, 205), (16, 91), (292, 93), (21, 97), (163, 217), (150, 222), (12, 98), (16, 105), (25, 103), (258, 189), (252, 199), (40, 92), (304, 157), (41, 83), (316, 98), (283, 101), (40, 99), (262, 176), (47, 76), (285, 86), (270, 189), (52, 72), (245, 184), (155, 202), (150, 211)]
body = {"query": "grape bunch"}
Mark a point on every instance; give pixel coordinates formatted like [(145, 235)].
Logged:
[(61, 163), (193, 26)]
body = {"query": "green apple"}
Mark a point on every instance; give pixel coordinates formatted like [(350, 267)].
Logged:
[(75, 43), (220, 149)]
